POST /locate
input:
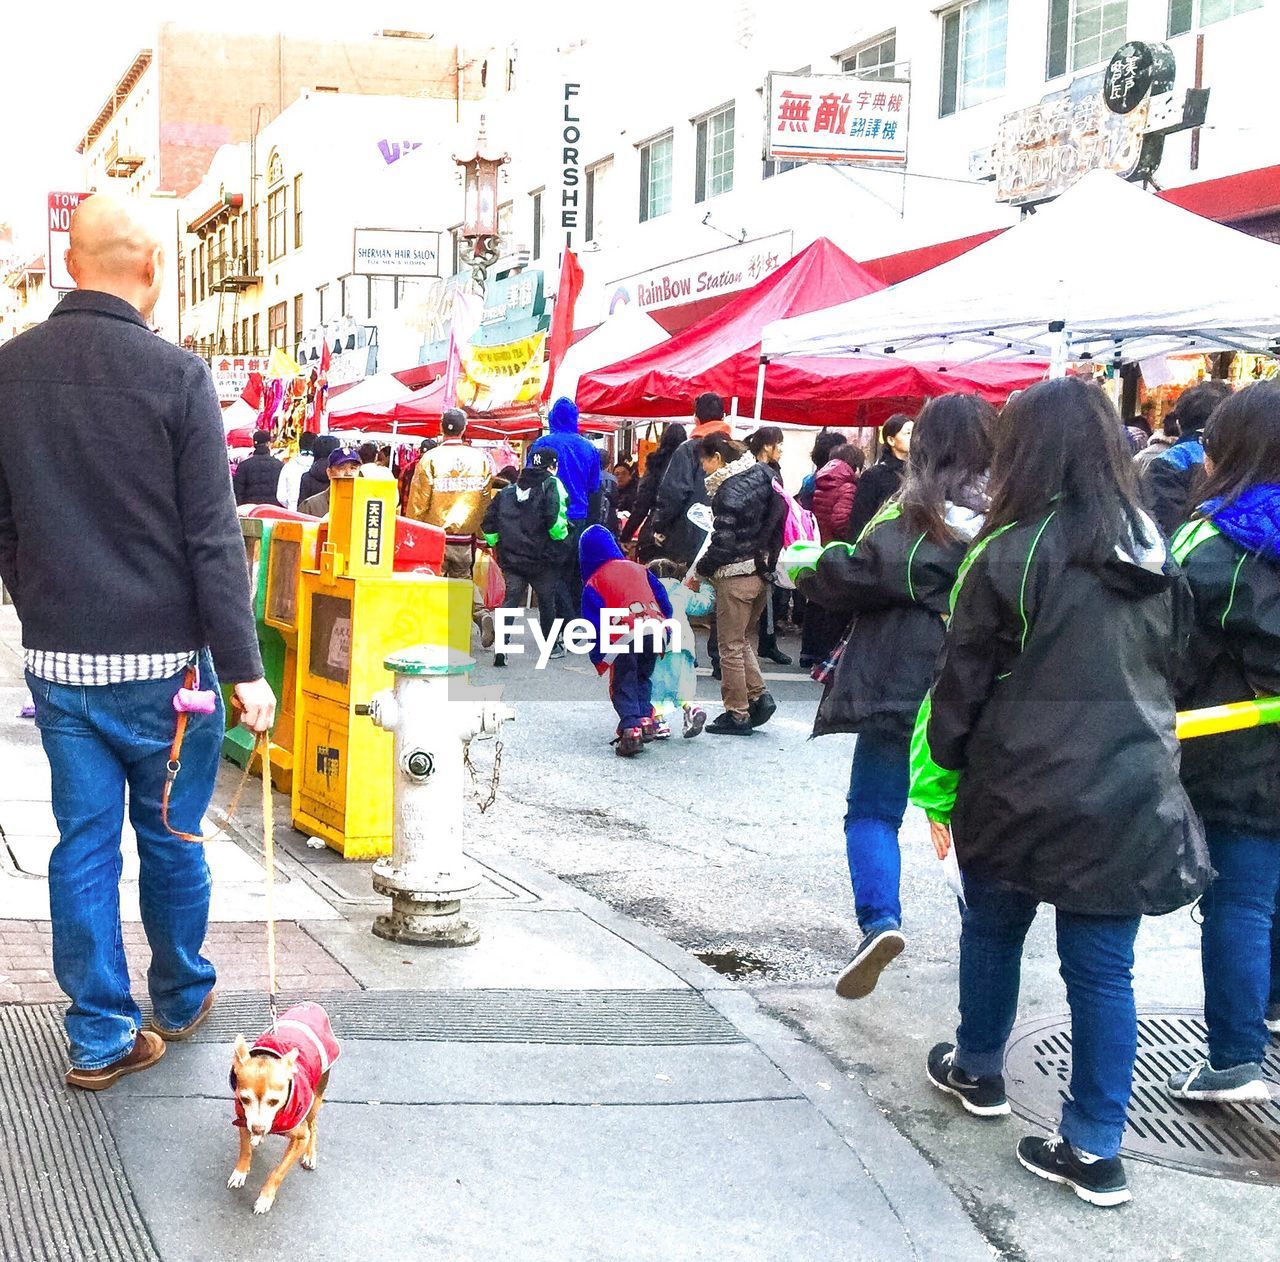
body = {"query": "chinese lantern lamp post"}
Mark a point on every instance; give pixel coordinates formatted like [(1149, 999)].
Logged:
[(480, 174)]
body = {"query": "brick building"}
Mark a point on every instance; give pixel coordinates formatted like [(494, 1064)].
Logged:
[(192, 92)]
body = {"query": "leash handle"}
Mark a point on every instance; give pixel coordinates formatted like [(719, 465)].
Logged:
[(174, 764), (269, 856)]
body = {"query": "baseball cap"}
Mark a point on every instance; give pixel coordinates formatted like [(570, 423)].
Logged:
[(343, 455), (543, 458)]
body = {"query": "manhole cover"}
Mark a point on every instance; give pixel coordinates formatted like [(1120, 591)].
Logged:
[(1236, 1141)]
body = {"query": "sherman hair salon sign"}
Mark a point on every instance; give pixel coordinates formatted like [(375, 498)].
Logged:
[(703, 276), (396, 252)]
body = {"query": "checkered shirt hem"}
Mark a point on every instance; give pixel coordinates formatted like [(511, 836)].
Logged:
[(96, 670)]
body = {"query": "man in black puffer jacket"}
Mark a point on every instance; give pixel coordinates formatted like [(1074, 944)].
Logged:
[(1169, 481), (258, 477), (745, 539)]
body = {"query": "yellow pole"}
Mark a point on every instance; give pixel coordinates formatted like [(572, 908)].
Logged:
[(1227, 718)]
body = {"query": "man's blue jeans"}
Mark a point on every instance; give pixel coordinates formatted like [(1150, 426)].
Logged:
[(1236, 945), (878, 786), (98, 741), (1095, 955)]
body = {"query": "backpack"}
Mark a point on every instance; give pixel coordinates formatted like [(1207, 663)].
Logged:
[(799, 525)]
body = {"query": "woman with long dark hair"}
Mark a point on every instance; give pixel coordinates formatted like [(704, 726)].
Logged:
[(1046, 748), (894, 585), (879, 484), (1230, 551), (639, 527)]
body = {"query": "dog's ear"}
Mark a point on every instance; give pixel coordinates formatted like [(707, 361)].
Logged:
[(291, 1060), (242, 1050)]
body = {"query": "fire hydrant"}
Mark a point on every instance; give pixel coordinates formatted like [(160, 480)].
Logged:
[(432, 720)]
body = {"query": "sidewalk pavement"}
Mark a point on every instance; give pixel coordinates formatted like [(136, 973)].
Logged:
[(573, 1086)]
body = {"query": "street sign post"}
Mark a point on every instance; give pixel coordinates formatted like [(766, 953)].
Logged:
[(60, 207)]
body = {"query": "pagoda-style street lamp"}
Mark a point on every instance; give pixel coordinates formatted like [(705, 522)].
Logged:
[(480, 217)]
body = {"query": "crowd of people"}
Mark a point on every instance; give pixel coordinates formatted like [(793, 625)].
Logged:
[(1007, 609)]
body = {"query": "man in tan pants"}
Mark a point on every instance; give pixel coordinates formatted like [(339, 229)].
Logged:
[(451, 488)]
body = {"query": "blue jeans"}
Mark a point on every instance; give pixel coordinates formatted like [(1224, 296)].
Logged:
[(1095, 956), (878, 785), (629, 689), (1236, 945), (98, 740)]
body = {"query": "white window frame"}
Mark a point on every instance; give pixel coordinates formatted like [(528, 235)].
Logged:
[(645, 150), (848, 60), (708, 182), (993, 90)]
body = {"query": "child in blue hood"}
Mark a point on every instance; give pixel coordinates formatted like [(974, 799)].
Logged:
[(618, 593), (1230, 551)]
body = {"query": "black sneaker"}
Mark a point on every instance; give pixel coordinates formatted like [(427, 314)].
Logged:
[(877, 949), (499, 659), (715, 670), (1273, 1017), (983, 1097), (1241, 1084), (728, 724), (775, 655), (761, 710), (1099, 1182)]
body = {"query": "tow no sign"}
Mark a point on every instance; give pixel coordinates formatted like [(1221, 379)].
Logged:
[(60, 207)]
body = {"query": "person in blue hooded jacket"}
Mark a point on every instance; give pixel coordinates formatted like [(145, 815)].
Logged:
[(618, 595), (1230, 552), (578, 465)]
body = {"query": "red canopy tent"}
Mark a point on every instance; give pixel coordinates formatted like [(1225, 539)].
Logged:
[(721, 353), (418, 416)]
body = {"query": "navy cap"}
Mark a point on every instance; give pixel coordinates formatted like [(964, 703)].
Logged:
[(343, 455)]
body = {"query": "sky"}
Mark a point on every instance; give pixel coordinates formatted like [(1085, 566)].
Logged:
[(63, 60)]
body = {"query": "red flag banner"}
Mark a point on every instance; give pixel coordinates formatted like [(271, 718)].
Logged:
[(561, 336)]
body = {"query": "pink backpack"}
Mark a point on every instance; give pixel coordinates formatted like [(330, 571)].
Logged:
[(799, 525)]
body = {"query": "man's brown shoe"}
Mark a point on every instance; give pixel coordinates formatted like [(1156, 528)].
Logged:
[(147, 1049), (177, 1036)]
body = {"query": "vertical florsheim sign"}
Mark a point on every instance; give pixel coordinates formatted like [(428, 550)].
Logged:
[(570, 162)]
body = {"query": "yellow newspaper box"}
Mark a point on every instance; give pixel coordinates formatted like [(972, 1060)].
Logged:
[(294, 547), (353, 613)]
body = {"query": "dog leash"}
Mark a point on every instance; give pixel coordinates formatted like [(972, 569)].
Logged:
[(269, 857)]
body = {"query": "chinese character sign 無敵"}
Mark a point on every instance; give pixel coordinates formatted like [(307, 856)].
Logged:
[(837, 118)]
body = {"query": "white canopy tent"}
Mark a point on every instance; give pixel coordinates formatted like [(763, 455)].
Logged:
[(371, 392), (1105, 272), (627, 332), (238, 415)]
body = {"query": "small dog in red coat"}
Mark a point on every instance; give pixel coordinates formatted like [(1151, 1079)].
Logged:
[(279, 1085)]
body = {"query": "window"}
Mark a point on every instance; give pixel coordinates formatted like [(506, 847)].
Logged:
[(873, 61), (235, 240), (714, 171), (778, 166), (655, 177), (973, 54), (277, 209), (297, 211), (536, 199), (257, 344), (209, 261), (1183, 15), (322, 295), (597, 181), (278, 325), (1084, 33), (195, 275), (245, 348), (297, 318)]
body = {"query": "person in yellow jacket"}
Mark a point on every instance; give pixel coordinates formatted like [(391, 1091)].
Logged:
[(451, 488)]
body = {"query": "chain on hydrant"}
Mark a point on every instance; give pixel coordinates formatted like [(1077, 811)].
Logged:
[(433, 718)]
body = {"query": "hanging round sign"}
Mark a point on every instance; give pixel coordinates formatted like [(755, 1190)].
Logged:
[(1134, 72)]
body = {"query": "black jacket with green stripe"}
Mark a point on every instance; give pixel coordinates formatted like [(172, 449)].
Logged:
[(893, 586), (1048, 737), (1233, 778)]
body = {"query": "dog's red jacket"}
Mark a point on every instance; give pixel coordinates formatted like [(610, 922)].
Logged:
[(303, 1028)]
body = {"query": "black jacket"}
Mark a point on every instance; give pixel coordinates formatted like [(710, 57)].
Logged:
[(683, 486), (526, 523), (895, 586), (257, 478), (1233, 778), (1053, 709), (1169, 482), (315, 480), (640, 524), (118, 530), (747, 516), (876, 487)]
